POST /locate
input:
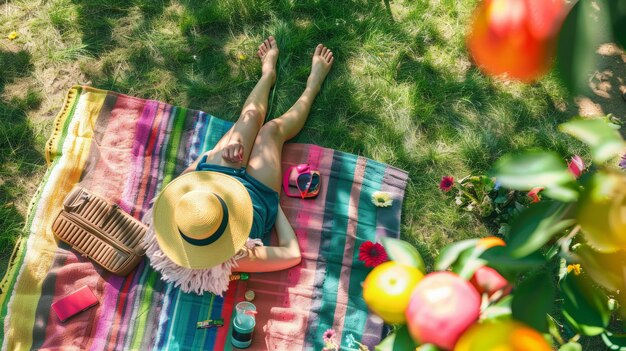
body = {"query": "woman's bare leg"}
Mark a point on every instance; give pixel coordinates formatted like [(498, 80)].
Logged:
[(233, 149), (264, 162)]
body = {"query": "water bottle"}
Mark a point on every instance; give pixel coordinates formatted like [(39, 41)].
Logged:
[(243, 325)]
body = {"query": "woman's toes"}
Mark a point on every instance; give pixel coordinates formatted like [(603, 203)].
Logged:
[(318, 49)]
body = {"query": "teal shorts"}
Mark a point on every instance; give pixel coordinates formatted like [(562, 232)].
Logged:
[(264, 199)]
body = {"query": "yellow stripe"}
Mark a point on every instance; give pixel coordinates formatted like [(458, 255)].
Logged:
[(41, 243)]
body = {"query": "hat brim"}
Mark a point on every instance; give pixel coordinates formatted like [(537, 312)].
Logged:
[(239, 204)]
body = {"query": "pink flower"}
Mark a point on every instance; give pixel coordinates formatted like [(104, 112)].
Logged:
[(329, 335), (447, 183), (372, 254), (534, 194), (576, 166)]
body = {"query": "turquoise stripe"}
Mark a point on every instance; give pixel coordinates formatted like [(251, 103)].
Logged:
[(334, 240), (217, 128), (164, 317), (205, 313), (357, 313)]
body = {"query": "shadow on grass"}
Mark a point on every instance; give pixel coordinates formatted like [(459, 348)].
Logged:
[(19, 157), (95, 19)]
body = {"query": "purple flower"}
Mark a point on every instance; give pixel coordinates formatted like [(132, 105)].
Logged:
[(622, 162)]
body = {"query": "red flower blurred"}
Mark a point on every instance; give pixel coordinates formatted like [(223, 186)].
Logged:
[(447, 183), (372, 254), (576, 166), (534, 194)]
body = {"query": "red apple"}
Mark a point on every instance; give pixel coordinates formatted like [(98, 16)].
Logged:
[(442, 306), (517, 37), (488, 280)]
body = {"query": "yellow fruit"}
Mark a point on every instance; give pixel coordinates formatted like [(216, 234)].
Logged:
[(387, 290), (602, 212), (505, 335)]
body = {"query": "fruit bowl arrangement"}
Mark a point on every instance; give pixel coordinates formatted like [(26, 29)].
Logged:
[(556, 277)]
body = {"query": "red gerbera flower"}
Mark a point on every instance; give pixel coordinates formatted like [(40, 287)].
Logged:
[(372, 254), (447, 183)]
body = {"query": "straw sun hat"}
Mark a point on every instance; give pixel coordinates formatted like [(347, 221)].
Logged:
[(202, 219)]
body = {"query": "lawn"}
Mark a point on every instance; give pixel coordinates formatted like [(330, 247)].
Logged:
[(403, 89)]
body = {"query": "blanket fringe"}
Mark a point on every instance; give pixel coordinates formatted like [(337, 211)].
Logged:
[(214, 280)]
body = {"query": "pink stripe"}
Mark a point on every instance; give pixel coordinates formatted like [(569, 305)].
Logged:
[(141, 139), (346, 268), (109, 304)]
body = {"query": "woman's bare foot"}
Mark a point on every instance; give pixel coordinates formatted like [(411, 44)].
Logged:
[(268, 52), (322, 61)]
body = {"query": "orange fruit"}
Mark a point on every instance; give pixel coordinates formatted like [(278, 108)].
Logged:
[(442, 307), (517, 37), (490, 241), (508, 335), (387, 290)]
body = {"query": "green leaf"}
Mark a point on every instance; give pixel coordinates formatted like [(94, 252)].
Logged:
[(536, 225), (468, 262), (604, 268), (498, 258), (403, 252), (571, 346), (451, 253), (578, 40), (531, 169), (555, 329), (614, 341), (429, 347), (400, 340), (533, 299), (585, 307), (498, 311), (604, 141), (562, 192)]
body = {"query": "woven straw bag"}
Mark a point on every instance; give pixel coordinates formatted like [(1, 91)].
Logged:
[(99, 230)]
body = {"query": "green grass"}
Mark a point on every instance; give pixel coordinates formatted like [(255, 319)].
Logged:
[(402, 90)]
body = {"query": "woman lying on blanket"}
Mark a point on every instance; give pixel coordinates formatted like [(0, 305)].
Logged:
[(211, 219)]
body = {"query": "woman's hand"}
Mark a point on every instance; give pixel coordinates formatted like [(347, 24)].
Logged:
[(233, 152)]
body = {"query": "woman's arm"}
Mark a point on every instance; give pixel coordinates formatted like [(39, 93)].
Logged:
[(192, 167), (274, 258)]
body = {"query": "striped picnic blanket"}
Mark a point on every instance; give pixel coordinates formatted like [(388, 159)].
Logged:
[(127, 149)]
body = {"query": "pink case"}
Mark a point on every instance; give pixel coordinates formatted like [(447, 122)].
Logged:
[(74, 303)]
